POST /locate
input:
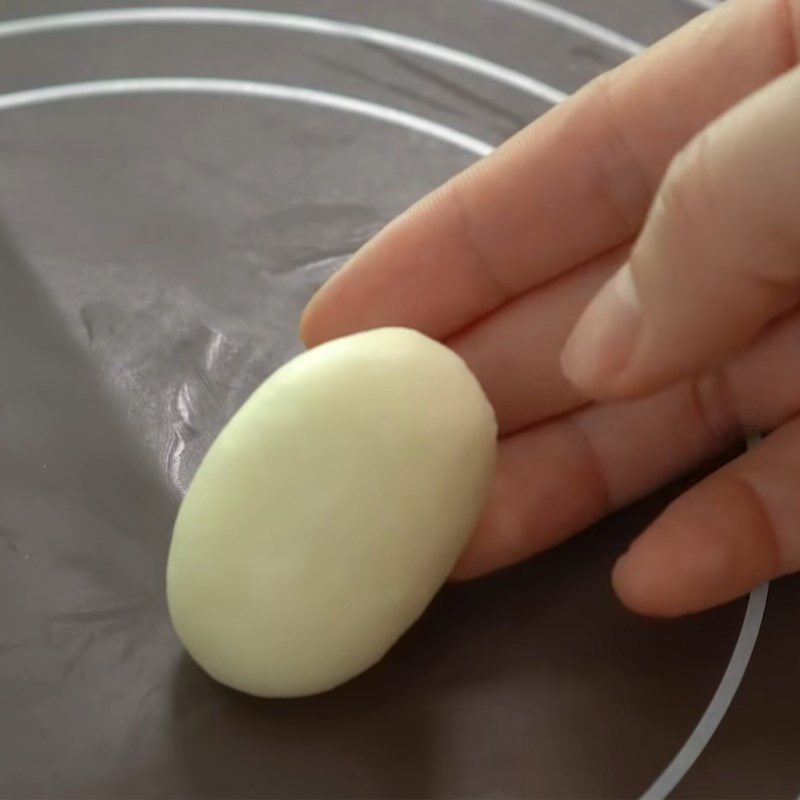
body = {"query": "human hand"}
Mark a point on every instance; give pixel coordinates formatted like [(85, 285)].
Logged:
[(684, 163)]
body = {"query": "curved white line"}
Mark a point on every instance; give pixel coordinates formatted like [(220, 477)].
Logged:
[(273, 91), (574, 22), (706, 5), (751, 623), (663, 786), (675, 771), (288, 22)]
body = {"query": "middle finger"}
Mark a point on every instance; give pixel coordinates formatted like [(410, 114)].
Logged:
[(515, 352)]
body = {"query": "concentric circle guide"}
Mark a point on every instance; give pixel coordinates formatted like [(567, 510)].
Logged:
[(732, 677), (319, 26), (705, 5)]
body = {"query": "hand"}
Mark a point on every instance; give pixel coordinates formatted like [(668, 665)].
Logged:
[(683, 163)]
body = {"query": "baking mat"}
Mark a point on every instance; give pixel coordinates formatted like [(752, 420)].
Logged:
[(176, 181)]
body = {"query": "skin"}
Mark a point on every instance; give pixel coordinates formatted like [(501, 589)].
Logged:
[(623, 276)]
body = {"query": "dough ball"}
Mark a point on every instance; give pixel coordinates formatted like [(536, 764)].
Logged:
[(329, 511)]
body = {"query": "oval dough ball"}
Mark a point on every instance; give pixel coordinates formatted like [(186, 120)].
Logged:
[(329, 511)]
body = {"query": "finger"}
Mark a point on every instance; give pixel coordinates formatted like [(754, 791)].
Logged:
[(557, 478), (573, 184), (736, 529), (514, 352), (718, 258)]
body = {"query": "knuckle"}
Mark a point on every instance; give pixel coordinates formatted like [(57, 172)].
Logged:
[(456, 197), (620, 173), (715, 406), (765, 524)]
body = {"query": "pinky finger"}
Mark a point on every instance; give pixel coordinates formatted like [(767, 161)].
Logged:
[(731, 532)]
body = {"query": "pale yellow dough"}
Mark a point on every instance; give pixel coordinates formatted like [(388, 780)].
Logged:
[(329, 511)]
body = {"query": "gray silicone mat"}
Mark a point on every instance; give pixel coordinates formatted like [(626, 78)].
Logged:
[(158, 238)]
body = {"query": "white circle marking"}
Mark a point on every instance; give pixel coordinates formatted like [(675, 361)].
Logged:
[(574, 22), (280, 21), (273, 91)]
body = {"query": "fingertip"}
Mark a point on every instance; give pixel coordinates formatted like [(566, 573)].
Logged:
[(679, 566), (487, 551), (307, 326), (670, 571), (466, 570), (636, 585), (326, 314), (501, 538)]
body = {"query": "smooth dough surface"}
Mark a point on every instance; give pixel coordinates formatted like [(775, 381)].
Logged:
[(329, 511)]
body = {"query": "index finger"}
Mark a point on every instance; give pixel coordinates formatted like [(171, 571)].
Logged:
[(573, 184)]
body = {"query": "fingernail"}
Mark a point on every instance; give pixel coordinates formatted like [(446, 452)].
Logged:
[(602, 342)]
